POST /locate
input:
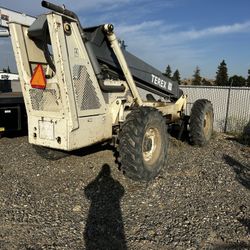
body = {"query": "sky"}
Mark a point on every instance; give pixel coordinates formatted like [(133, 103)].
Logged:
[(182, 33)]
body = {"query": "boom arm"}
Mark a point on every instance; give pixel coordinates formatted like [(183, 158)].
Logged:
[(100, 53)]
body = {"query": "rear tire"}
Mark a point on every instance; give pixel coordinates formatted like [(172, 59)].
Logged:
[(49, 153), (201, 122), (143, 144)]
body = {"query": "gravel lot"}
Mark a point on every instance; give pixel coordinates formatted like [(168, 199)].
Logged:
[(201, 200)]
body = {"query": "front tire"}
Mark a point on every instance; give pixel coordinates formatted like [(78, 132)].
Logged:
[(201, 122), (143, 144)]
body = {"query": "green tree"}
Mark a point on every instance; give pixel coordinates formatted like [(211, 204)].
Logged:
[(205, 82), (6, 70), (221, 75), (196, 77), (168, 72), (236, 80), (248, 79), (176, 76)]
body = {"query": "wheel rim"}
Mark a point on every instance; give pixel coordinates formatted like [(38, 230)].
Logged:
[(207, 124), (151, 146)]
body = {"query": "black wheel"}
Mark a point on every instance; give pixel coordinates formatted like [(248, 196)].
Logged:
[(49, 153), (143, 144), (201, 122)]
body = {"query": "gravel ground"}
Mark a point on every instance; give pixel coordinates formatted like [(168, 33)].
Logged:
[(201, 200)]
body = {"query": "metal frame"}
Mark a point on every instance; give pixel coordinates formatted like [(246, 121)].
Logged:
[(67, 126)]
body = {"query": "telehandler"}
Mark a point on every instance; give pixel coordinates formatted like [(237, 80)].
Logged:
[(82, 87)]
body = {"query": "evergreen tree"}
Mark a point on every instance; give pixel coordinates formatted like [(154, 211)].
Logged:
[(205, 82), (196, 77), (168, 72), (176, 76), (238, 81), (221, 75), (248, 79), (6, 70)]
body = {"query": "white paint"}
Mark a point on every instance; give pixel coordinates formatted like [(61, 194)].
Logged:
[(46, 130)]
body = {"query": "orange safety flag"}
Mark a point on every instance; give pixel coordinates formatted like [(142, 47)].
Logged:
[(38, 79)]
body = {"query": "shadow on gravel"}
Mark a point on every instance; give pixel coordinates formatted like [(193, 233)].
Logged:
[(91, 149), (242, 138), (104, 227), (242, 171), (246, 223), (231, 246)]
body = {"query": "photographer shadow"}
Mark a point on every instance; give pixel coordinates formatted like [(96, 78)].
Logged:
[(104, 227), (242, 171)]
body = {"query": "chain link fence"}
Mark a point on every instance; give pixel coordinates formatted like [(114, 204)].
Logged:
[(231, 105)]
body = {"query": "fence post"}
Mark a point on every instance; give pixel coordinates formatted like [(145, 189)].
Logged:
[(228, 104)]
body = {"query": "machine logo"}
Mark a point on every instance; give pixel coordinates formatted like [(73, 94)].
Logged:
[(161, 83)]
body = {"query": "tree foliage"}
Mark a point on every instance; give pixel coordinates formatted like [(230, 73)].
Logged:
[(236, 80), (168, 72), (222, 75), (222, 78), (196, 77), (6, 70), (248, 79), (205, 82), (176, 76)]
